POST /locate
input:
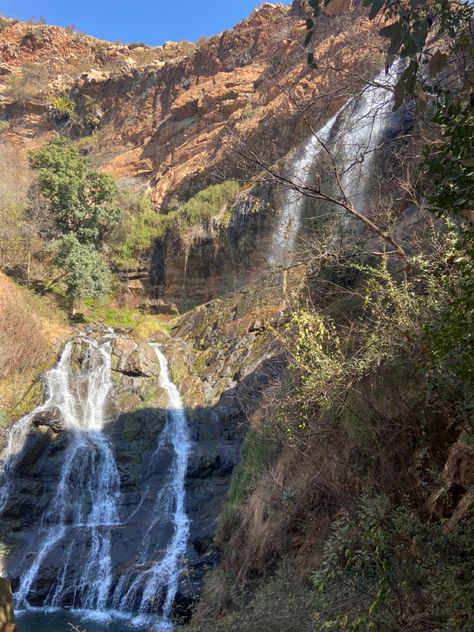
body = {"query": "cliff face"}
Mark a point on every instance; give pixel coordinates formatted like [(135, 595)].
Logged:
[(167, 114)]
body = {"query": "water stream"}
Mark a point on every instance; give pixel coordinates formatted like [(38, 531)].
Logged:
[(80, 519), (352, 137)]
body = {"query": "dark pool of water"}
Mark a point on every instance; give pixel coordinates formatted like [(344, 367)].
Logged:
[(61, 622)]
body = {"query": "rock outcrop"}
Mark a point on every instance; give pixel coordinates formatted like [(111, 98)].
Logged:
[(169, 114)]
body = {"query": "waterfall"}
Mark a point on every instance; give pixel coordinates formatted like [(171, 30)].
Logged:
[(85, 505), (18, 433), (365, 121), (352, 135), (80, 519), (153, 576), (286, 231)]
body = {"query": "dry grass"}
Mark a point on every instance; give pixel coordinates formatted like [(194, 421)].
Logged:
[(29, 328), (22, 343)]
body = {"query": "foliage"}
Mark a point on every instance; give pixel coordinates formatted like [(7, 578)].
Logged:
[(281, 603), (259, 451), (142, 225), (385, 569), (87, 274), (202, 207), (62, 108), (449, 164), (81, 199), (32, 80), (22, 343), (82, 206), (141, 326)]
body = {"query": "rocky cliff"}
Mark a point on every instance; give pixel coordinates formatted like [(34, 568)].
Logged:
[(169, 119)]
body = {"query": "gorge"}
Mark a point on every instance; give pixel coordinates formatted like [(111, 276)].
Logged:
[(265, 422)]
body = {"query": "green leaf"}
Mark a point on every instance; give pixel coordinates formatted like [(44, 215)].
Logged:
[(308, 38), (309, 24)]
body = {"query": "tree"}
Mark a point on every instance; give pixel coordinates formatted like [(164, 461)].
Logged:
[(82, 205), (88, 276), (81, 199)]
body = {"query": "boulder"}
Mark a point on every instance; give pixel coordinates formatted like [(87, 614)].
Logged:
[(459, 468), (135, 359)]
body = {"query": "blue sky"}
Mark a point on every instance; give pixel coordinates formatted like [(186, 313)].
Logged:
[(149, 21)]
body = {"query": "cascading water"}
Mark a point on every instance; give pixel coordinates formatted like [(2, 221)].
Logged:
[(85, 506), (146, 580), (352, 136), (82, 517), (289, 223)]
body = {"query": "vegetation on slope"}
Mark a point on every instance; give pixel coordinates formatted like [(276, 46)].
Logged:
[(143, 226), (363, 519), (30, 328)]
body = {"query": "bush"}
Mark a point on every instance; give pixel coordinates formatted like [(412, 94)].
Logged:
[(384, 569), (62, 109), (142, 225), (34, 79)]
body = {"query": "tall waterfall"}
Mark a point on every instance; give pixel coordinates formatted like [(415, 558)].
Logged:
[(352, 136), (85, 506), (80, 519), (153, 575), (284, 237)]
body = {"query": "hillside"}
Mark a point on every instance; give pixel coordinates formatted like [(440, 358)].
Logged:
[(236, 305)]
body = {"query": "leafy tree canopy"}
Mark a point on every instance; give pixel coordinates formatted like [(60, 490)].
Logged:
[(81, 199), (88, 276)]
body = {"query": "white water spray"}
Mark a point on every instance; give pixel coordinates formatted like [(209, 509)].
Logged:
[(289, 223), (352, 136), (149, 580), (85, 506)]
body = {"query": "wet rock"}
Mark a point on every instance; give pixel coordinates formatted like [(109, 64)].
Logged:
[(50, 419)]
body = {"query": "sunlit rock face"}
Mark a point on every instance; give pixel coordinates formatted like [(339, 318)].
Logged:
[(164, 114)]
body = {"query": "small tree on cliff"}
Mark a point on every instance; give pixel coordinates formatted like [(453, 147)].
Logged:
[(83, 212)]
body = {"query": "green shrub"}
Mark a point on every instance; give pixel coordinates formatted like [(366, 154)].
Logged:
[(62, 108), (383, 569), (143, 226)]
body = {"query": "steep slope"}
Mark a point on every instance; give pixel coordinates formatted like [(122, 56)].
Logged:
[(31, 330)]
